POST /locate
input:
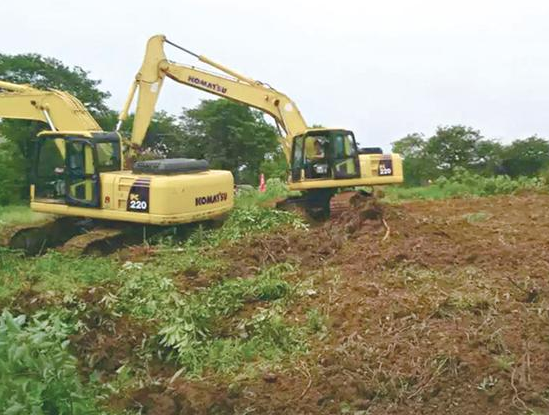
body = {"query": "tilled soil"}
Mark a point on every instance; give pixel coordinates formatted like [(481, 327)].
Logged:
[(427, 308), (435, 307)]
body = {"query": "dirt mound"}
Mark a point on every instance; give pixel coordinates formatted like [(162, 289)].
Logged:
[(182, 397), (307, 249)]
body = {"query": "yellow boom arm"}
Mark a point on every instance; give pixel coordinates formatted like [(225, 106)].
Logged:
[(59, 109), (148, 83)]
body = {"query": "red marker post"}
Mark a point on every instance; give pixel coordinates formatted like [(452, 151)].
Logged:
[(262, 184)]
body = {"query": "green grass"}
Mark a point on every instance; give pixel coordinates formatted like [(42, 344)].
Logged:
[(464, 184), (275, 189), (55, 273), (14, 215)]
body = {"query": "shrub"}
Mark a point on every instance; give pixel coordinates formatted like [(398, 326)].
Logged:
[(37, 373), (463, 184), (205, 329)]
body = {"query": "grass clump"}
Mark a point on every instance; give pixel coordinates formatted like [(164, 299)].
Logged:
[(244, 221), (54, 272), (37, 373), (464, 184)]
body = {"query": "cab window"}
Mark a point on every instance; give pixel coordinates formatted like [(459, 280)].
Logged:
[(343, 146), (108, 156)]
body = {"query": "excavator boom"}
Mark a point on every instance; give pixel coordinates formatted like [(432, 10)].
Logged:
[(62, 111), (231, 85)]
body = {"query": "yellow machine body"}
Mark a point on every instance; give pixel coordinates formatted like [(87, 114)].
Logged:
[(173, 199), (83, 174), (81, 189), (369, 174)]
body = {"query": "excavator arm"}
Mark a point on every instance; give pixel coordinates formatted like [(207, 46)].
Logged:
[(231, 85), (60, 110)]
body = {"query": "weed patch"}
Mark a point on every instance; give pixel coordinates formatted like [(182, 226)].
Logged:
[(54, 272), (464, 184), (191, 325), (15, 215), (244, 221), (37, 373)]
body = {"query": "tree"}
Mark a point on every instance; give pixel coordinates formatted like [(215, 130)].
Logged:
[(12, 182), (453, 146), (229, 135), (43, 73), (526, 157), (275, 165), (417, 168), (490, 155), (164, 135)]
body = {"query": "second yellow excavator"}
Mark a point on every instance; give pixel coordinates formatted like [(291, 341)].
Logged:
[(322, 161), (78, 172)]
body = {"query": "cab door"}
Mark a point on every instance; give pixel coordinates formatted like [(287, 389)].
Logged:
[(345, 161), (49, 170), (82, 177), (297, 159)]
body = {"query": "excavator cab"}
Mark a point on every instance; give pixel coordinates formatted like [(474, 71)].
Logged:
[(67, 167), (325, 154)]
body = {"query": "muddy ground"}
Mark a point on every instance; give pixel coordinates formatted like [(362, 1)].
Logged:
[(426, 308)]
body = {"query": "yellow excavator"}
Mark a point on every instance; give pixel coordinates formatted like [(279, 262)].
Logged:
[(78, 172), (322, 161)]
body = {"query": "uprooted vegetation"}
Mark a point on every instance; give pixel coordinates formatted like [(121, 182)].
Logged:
[(424, 307)]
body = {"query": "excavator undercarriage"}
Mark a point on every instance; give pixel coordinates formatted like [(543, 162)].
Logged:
[(79, 235), (324, 204), (83, 236)]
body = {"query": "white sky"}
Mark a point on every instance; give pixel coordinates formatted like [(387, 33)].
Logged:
[(382, 68)]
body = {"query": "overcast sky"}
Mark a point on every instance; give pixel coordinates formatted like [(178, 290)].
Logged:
[(382, 68)]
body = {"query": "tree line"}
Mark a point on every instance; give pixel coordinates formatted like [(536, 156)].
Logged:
[(458, 146), (234, 137)]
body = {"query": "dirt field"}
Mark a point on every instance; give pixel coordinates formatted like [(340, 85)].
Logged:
[(423, 308), (442, 309)]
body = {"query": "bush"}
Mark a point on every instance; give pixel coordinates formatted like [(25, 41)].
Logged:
[(247, 218), (37, 373), (208, 328), (465, 184), (13, 184)]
